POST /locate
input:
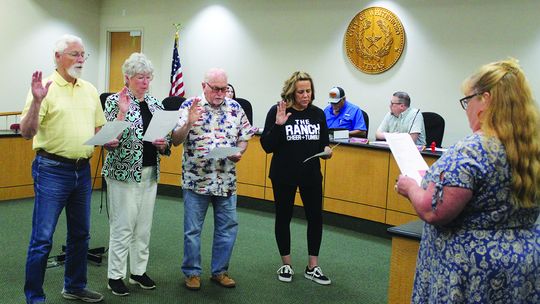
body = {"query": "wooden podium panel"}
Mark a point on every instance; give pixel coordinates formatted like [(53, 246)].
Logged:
[(397, 202), (16, 157), (402, 269), (171, 167), (396, 218), (354, 209), (357, 174), (251, 169)]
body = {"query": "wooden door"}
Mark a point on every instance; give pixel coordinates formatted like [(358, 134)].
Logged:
[(122, 45)]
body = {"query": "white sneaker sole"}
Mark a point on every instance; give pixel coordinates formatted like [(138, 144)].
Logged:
[(117, 293), (316, 280), (84, 299), (133, 282), (283, 279)]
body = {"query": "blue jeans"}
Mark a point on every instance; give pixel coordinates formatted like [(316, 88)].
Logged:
[(57, 186), (225, 230)]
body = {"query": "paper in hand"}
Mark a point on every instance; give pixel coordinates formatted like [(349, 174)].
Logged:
[(407, 156), (222, 152), (323, 153), (108, 132), (161, 124)]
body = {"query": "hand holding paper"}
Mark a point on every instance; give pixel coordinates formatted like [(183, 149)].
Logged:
[(326, 152), (407, 156)]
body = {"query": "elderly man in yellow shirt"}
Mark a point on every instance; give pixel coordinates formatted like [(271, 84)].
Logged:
[(61, 113)]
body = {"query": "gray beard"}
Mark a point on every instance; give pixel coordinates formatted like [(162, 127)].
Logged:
[(74, 72)]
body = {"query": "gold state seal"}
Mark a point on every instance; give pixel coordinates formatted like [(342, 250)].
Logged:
[(374, 40)]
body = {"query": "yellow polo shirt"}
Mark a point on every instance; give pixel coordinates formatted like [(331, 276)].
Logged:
[(68, 117)]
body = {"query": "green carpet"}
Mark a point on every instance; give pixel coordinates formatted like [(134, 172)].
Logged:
[(357, 263)]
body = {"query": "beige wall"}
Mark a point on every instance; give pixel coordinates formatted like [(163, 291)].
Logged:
[(262, 42), (29, 29)]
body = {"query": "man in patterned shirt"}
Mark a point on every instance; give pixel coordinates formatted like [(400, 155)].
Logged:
[(210, 121)]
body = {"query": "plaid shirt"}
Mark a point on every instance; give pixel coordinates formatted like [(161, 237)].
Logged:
[(223, 126)]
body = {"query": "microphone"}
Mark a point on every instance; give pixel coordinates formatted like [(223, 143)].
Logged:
[(412, 124)]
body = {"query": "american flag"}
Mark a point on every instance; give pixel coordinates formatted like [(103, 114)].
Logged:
[(177, 80)]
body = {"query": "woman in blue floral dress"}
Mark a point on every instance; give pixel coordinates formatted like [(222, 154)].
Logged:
[(480, 200)]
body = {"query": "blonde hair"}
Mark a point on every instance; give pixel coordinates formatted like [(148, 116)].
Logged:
[(512, 117), (289, 87)]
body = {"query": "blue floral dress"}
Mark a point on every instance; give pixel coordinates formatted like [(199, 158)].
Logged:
[(490, 253)]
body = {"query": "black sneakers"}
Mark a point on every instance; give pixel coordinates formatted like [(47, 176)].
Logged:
[(85, 295), (143, 280), (285, 273), (117, 287), (316, 275)]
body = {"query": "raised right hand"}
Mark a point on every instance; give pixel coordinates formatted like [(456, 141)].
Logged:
[(281, 114), (123, 101), (38, 90), (195, 111)]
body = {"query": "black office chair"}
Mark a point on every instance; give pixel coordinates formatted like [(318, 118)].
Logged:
[(103, 97), (434, 125), (246, 105), (366, 120), (173, 103)]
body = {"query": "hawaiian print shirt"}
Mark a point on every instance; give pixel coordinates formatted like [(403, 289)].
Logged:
[(222, 126)]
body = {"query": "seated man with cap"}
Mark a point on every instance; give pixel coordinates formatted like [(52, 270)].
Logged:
[(341, 114)]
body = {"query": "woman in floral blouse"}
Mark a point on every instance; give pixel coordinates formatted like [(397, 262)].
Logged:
[(480, 200), (131, 171)]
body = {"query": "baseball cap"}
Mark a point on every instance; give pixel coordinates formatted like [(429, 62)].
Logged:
[(336, 94)]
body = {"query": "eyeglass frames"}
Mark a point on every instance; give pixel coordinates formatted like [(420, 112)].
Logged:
[(216, 89), (465, 100), (77, 55)]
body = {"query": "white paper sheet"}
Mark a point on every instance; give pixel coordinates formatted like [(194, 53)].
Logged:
[(108, 132), (407, 156), (223, 152), (341, 134), (161, 124)]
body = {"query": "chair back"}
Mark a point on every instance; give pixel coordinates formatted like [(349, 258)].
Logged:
[(366, 120), (103, 98), (434, 126), (173, 103), (246, 106)]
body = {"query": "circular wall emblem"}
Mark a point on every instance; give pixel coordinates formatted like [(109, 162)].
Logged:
[(374, 40)]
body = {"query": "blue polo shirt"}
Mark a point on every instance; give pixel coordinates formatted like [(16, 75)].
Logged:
[(350, 117)]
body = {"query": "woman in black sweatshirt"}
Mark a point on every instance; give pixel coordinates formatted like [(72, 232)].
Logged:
[(294, 130)]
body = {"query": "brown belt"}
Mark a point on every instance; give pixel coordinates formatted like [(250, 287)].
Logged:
[(79, 162)]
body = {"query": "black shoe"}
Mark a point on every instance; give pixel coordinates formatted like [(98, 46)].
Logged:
[(85, 295), (285, 273), (143, 280), (118, 287), (316, 275)]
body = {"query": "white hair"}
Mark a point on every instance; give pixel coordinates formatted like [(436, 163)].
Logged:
[(62, 44), (137, 63), (214, 73)]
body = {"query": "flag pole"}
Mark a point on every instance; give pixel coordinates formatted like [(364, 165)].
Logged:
[(177, 82)]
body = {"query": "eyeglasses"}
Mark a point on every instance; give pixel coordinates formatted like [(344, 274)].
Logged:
[(395, 103), (216, 89), (83, 55), (465, 100)]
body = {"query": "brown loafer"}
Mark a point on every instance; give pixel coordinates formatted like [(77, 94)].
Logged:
[(224, 280), (193, 282)]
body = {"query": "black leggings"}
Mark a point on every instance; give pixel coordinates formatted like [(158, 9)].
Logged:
[(284, 203)]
